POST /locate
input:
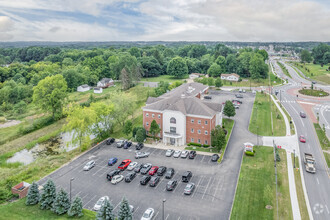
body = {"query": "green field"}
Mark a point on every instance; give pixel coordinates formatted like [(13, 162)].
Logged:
[(324, 141), (165, 78), (19, 211), (258, 174), (313, 92), (247, 82), (264, 114), (314, 71)]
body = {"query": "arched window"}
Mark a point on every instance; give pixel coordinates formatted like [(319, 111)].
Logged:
[(173, 120)]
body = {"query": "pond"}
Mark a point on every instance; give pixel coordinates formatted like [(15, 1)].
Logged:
[(56, 145)]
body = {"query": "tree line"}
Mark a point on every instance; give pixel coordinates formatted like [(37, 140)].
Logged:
[(319, 55)]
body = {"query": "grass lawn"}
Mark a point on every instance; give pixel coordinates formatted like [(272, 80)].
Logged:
[(285, 71), (324, 141), (258, 174), (293, 131), (314, 71), (264, 114), (254, 83), (228, 124), (18, 210), (300, 193), (313, 92), (165, 78)]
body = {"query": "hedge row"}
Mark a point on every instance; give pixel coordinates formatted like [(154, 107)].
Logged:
[(198, 145)]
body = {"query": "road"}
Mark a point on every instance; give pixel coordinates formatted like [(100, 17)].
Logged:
[(317, 185)]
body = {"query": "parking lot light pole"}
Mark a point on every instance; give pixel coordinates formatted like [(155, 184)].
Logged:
[(70, 187), (164, 200), (294, 158)]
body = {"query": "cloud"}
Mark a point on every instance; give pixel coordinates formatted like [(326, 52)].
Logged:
[(6, 24)]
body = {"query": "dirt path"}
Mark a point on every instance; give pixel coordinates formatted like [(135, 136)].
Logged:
[(10, 123)]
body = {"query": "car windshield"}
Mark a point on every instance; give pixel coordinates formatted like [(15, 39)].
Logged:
[(146, 215), (99, 202), (188, 187)]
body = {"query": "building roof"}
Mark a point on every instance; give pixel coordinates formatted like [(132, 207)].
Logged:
[(106, 80), (97, 88), (231, 74), (188, 89), (85, 86)]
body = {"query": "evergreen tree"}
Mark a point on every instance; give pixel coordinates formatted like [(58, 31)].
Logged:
[(48, 196), (229, 109), (105, 212), (33, 195), (76, 208), (124, 211), (62, 203)]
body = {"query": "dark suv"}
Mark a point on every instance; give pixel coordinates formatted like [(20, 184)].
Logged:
[(192, 154), (144, 180), (130, 176), (145, 169), (154, 181), (139, 146), (186, 176), (169, 173), (161, 170), (110, 141), (138, 168), (112, 174)]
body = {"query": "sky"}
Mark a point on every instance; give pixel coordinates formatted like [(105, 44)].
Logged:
[(165, 20)]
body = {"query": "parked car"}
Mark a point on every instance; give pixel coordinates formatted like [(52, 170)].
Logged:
[(237, 101), (138, 168), (153, 170), (314, 82), (116, 179), (132, 165), (302, 114), (148, 214), (161, 170), (240, 90), (184, 154), (120, 143), (130, 176), (113, 173), (89, 165), (302, 139), (99, 203), (112, 161), (110, 141), (236, 106), (131, 208), (189, 188), (124, 164), (239, 96), (144, 180), (141, 154), (215, 158), (192, 154), (171, 185), (169, 152), (169, 173), (145, 169), (186, 176), (154, 181), (207, 97), (127, 144), (139, 146), (177, 153)]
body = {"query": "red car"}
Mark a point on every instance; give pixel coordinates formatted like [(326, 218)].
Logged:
[(153, 170), (124, 164), (302, 139)]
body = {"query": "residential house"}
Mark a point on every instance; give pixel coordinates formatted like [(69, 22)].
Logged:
[(105, 83), (83, 88), (98, 90), (230, 77)]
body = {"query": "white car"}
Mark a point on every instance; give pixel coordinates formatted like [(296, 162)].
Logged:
[(89, 165), (169, 152), (132, 165), (116, 179), (99, 203), (184, 154), (148, 214), (177, 153)]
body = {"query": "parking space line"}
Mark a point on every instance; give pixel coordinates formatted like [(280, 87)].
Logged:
[(98, 171), (167, 216), (203, 158), (136, 209), (213, 179), (197, 187), (156, 215), (89, 201), (216, 189), (117, 205)]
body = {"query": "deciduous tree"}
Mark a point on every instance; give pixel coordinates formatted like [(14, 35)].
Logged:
[(218, 137), (154, 128), (229, 109), (177, 67)]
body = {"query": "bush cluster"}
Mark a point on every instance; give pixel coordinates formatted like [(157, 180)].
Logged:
[(249, 153), (37, 124), (198, 145)]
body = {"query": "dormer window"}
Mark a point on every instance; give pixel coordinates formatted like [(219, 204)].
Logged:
[(173, 120)]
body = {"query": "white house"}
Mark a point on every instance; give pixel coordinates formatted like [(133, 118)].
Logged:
[(230, 77), (83, 88), (195, 75), (98, 90), (105, 83)]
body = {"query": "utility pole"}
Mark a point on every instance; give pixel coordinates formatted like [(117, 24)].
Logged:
[(164, 200), (275, 177), (294, 158), (70, 187)]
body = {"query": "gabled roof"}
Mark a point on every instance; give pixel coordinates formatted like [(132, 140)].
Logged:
[(106, 80), (231, 74), (188, 89), (97, 88), (84, 86)]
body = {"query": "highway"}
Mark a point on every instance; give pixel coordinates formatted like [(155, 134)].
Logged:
[(317, 185)]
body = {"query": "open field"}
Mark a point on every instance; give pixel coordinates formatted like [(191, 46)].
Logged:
[(165, 78), (18, 210), (265, 115), (247, 82), (324, 141), (314, 71), (256, 187)]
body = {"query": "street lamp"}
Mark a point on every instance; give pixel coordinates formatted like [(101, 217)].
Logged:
[(70, 186), (164, 200), (294, 158)]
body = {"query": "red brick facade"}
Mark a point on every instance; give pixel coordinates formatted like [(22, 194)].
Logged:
[(202, 125), (148, 117)]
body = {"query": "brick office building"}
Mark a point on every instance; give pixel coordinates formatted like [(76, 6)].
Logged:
[(183, 115)]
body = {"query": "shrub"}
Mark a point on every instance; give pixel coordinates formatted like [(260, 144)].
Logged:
[(2, 119), (249, 153), (33, 195)]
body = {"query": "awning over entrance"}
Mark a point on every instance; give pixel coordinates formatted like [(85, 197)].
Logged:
[(172, 135)]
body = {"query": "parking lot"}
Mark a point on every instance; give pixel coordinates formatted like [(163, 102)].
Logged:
[(215, 183)]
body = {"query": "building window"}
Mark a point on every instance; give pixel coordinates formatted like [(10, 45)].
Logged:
[(147, 123), (173, 130), (206, 122), (192, 139), (199, 131), (199, 122), (147, 114), (199, 140), (206, 132), (192, 130), (158, 116), (192, 120), (205, 141), (173, 120), (153, 115)]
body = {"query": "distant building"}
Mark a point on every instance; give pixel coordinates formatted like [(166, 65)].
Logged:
[(83, 88), (195, 75), (182, 115), (98, 90), (230, 77), (105, 83)]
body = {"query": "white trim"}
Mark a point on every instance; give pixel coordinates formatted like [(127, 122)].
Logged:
[(150, 110), (200, 116)]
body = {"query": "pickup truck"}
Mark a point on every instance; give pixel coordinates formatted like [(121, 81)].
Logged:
[(309, 163)]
